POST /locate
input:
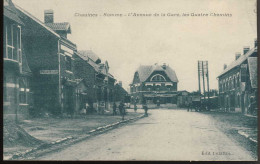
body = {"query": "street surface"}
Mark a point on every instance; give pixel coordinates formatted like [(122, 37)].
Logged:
[(164, 135)]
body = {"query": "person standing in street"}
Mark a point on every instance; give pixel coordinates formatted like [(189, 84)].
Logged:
[(135, 107), (122, 110), (114, 109)]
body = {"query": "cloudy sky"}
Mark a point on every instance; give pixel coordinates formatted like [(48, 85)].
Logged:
[(128, 42)]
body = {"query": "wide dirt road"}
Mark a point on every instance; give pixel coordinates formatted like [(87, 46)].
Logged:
[(164, 135)]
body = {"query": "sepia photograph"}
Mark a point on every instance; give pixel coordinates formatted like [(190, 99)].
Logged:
[(130, 80)]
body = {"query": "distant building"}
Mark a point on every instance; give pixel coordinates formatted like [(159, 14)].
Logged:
[(183, 98), (154, 83), (238, 81), (99, 82), (120, 94)]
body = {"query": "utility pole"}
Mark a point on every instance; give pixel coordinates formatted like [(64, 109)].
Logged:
[(199, 76), (203, 80), (207, 74), (203, 71)]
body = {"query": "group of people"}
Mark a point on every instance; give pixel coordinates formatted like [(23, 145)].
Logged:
[(121, 108)]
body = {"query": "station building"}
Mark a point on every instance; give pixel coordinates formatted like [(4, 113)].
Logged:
[(154, 83)]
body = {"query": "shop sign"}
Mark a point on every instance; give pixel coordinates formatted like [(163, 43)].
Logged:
[(49, 72)]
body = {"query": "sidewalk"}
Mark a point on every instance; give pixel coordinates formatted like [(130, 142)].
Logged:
[(52, 129), (238, 126)]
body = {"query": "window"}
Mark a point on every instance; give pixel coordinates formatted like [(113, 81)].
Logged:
[(158, 78), (12, 42), (68, 63)]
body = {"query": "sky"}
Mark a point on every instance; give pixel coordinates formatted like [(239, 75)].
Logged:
[(130, 41)]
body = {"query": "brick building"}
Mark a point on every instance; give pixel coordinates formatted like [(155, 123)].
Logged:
[(99, 82), (155, 83), (238, 81), (50, 57), (16, 73)]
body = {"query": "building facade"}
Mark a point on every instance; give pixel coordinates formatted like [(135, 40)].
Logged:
[(238, 81), (155, 84), (50, 57), (99, 82), (16, 73), (120, 94)]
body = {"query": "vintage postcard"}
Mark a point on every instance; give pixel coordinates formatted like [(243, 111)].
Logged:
[(130, 80)]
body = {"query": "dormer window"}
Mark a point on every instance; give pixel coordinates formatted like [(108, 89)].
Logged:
[(158, 77)]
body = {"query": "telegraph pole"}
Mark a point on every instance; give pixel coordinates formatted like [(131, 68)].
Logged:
[(203, 80), (199, 76), (203, 71), (207, 74)]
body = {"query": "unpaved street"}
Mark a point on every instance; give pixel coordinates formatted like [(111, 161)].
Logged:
[(164, 135)]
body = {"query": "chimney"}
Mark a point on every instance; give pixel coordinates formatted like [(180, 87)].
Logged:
[(255, 42), (48, 16), (246, 49), (225, 66), (238, 55), (164, 66), (120, 83)]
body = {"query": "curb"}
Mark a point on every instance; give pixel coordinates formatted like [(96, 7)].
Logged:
[(47, 145), (246, 136)]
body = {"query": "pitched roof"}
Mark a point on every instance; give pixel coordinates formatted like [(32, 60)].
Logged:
[(239, 61), (90, 61), (36, 20), (97, 67), (145, 71), (90, 54), (252, 65), (11, 13), (63, 26)]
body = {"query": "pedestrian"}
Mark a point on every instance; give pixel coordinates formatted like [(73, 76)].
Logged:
[(158, 103), (145, 109), (122, 110), (135, 107), (114, 109), (252, 106)]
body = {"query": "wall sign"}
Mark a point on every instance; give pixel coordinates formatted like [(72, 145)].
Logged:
[(49, 72)]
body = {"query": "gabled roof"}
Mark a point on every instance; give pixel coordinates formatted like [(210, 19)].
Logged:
[(96, 66), (36, 20), (239, 61), (63, 26), (144, 71), (90, 54), (252, 66), (87, 59), (11, 13)]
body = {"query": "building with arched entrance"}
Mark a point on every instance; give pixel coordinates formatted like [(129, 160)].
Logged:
[(154, 83)]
